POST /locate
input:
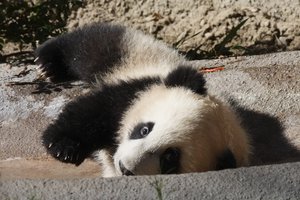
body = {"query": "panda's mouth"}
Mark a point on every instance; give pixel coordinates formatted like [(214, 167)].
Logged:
[(170, 161), (125, 171)]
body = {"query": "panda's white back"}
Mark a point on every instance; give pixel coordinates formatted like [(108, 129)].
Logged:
[(143, 56)]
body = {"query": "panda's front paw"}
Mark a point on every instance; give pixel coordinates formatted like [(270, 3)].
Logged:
[(66, 150)]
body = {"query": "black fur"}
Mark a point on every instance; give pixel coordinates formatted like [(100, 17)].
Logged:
[(136, 132), (226, 160), (82, 53), (170, 161), (90, 123), (187, 77)]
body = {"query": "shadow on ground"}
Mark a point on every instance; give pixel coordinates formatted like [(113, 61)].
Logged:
[(269, 143)]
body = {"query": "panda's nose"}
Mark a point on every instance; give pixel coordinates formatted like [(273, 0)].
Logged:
[(123, 169)]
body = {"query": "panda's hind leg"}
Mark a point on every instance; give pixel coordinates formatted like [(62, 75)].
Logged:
[(53, 61), (81, 54)]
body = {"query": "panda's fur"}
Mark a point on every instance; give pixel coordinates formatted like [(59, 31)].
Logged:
[(149, 112)]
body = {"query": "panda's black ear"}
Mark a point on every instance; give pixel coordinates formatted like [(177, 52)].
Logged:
[(187, 77)]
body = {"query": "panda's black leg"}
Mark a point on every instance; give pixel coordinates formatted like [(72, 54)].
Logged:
[(85, 125), (82, 53), (65, 149), (91, 122)]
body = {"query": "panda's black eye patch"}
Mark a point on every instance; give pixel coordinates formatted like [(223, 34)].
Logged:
[(141, 130)]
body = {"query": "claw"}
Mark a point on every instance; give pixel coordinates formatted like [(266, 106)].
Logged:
[(39, 67), (43, 75), (40, 70), (50, 145), (71, 157), (58, 154), (66, 157), (36, 59)]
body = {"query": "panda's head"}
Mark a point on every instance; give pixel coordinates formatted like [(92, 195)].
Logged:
[(174, 127)]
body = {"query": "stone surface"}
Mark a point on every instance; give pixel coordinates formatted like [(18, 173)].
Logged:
[(264, 89), (268, 182)]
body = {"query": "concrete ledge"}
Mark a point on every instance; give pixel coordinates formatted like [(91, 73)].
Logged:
[(265, 90), (265, 182)]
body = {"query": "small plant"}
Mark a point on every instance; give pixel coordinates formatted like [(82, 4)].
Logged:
[(158, 185), (219, 49), (33, 197), (28, 22)]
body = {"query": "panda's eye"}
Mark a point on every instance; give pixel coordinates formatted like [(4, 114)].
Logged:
[(141, 130), (144, 131)]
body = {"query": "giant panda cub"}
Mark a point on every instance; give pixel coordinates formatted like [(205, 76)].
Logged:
[(149, 112)]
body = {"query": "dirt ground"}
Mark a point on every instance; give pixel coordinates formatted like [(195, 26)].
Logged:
[(270, 26)]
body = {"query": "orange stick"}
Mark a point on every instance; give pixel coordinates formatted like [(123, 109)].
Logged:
[(211, 69)]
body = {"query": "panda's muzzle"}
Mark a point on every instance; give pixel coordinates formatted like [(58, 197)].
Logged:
[(125, 171), (170, 161)]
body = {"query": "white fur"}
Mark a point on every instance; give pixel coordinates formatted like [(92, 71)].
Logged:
[(200, 126), (104, 157), (145, 56)]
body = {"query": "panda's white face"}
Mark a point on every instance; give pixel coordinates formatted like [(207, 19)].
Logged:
[(168, 130)]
